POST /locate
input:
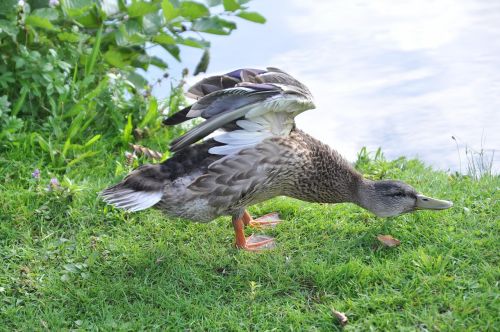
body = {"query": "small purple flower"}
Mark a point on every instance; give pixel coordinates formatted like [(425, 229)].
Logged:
[(53, 3), (54, 183), (36, 174)]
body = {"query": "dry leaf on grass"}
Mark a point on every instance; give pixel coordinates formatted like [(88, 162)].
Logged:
[(341, 317), (388, 240)]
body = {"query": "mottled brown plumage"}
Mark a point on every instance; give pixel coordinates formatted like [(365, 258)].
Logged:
[(262, 155)]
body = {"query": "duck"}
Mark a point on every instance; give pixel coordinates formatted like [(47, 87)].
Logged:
[(249, 150)]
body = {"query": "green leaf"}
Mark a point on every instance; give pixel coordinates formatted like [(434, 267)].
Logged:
[(40, 22), (8, 8), (69, 37), (117, 58), (143, 61), (137, 80), (127, 131), (140, 8), (169, 11), (252, 16), (89, 65), (151, 114), (75, 8), (231, 5), (193, 42), (203, 64), (164, 39), (152, 23), (193, 10), (49, 13), (92, 140), (214, 25), (173, 50), (81, 157), (9, 28)]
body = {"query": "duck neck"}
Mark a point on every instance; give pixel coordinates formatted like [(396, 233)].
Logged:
[(326, 176)]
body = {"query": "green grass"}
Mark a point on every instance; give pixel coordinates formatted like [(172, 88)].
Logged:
[(70, 262)]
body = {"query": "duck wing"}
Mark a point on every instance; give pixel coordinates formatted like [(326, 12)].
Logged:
[(251, 104)]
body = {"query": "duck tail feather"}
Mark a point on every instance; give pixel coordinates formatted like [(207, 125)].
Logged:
[(141, 189)]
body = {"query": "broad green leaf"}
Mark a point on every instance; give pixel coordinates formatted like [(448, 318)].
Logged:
[(117, 58), (89, 20), (137, 80), (143, 61), (231, 5), (40, 22), (157, 62), (129, 34), (193, 10), (173, 50), (169, 11), (203, 64), (49, 13), (214, 25), (193, 42), (164, 39), (8, 8), (252, 16), (141, 8), (152, 23), (9, 28), (75, 8)]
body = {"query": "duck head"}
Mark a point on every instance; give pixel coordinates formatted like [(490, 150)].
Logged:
[(388, 198)]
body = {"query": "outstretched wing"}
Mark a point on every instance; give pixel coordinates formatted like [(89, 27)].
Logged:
[(250, 104)]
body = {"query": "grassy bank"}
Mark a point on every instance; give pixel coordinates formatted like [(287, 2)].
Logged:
[(70, 262)]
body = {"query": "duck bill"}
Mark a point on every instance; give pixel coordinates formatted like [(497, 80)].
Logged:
[(429, 203)]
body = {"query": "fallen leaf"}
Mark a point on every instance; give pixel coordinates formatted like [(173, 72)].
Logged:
[(341, 317), (388, 241)]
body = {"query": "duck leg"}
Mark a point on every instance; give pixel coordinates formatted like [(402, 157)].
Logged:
[(266, 221), (253, 242)]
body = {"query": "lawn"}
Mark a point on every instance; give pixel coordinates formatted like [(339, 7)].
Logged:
[(71, 262)]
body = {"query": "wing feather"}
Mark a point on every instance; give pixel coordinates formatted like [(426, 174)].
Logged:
[(252, 104)]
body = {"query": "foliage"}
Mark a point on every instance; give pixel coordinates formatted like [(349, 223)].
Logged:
[(376, 166), (70, 70)]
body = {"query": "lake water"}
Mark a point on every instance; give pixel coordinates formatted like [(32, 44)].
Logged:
[(402, 75)]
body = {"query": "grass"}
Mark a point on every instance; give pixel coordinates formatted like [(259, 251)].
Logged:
[(70, 262)]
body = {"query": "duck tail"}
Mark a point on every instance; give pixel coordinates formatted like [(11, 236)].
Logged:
[(141, 189)]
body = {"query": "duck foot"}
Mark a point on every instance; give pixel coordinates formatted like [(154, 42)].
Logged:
[(257, 242), (253, 242), (269, 220)]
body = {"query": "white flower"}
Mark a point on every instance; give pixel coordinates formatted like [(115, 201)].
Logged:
[(20, 3), (53, 3)]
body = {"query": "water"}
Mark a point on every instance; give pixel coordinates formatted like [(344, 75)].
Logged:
[(402, 75)]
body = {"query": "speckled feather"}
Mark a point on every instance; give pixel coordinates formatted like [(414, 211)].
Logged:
[(298, 166)]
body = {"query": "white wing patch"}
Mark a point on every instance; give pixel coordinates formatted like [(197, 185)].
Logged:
[(271, 117), (131, 200)]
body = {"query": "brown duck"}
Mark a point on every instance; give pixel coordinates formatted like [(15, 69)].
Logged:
[(260, 154)]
